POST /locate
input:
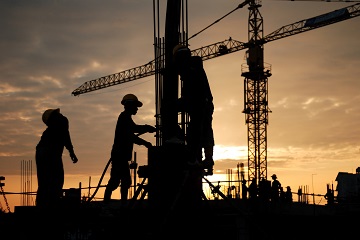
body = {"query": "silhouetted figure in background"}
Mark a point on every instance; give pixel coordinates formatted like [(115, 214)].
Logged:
[(264, 190), (282, 195), (253, 190), (288, 195), (300, 195), (49, 164), (275, 189), (122, 149), (244, 189), (197, 100), (253, 194), (329, 196)]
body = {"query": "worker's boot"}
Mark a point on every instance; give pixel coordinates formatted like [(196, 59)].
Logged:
[(124, 196), (107, 195)]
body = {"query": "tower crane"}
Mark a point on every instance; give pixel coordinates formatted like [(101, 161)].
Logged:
[(255, 72)]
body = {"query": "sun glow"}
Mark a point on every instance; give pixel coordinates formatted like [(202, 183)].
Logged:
[(230, 152)]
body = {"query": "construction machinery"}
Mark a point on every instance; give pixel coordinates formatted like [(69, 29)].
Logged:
[(255, 72)]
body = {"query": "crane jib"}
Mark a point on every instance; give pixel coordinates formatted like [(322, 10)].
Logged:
[(335, 15), (218, 49)]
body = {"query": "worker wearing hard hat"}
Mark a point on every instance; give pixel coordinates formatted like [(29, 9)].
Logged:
[(197, 100), (49, 165), (122, 149), (275, 189)]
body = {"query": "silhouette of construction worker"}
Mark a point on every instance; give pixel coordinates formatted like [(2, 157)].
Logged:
[(197, 100), (253, 189), (264, 190), (49, 164), (300, 196), (253, 195), (282, 195), (329, 196), (122, 149), (275, 189), (288, 195), (244, 189)]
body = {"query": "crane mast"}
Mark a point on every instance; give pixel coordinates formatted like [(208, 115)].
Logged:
[(256, 96)]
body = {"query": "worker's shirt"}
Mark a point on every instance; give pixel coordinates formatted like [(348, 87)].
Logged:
[(55, 137), (196, 92), (125, 137), (275, 185)]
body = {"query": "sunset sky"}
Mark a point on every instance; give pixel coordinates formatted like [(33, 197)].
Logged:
[(50, 47)]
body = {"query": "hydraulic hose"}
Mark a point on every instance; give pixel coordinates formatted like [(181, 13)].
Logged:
[(101, 178)]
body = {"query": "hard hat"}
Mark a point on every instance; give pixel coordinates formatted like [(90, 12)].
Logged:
[(131, 98), (180, 48), (274, 176), (47, 113)]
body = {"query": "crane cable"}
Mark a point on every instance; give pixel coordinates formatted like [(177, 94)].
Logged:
[(102, 176), (218, 20)]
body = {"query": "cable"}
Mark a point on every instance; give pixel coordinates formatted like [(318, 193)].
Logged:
[(240, 6), (101, 178)]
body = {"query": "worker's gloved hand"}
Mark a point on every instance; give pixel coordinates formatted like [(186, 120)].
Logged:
[(150, 129), (73, 157), (148, 144)]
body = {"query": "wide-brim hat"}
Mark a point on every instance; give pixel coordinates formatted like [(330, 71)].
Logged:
[(46, 115)]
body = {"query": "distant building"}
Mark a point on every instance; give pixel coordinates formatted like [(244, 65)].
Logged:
[(348, 187)]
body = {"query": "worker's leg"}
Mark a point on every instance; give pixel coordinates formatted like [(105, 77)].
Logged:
[(124, 195), (208, 137), (107, 194), (125, 182), (113, 182), (194, 137), (42, 179)]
